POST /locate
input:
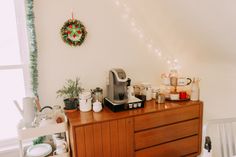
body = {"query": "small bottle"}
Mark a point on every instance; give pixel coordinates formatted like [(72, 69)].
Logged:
[(195, 90)]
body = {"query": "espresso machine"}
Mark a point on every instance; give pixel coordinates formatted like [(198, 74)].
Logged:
[(118, 99)]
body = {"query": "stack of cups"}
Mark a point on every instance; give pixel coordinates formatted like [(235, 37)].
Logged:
[(60, 144)]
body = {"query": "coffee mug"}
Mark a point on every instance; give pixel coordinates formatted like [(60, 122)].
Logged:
[(59, 151), (61, 145), (166, 81), (174, 96), (183, 95), (56, 136), (183, 81)]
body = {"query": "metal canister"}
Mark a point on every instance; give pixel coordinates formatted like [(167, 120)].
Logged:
[(97, 94)]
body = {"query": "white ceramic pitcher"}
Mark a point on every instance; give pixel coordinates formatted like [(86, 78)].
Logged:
[(28, 111)]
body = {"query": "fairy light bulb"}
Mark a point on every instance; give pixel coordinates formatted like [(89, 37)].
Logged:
[(135, 30), (149, 45), (124, 5), (117, 3), (168, 61), (125, 16), (132, 23), (158, 52), (126, 8), (140, 35)]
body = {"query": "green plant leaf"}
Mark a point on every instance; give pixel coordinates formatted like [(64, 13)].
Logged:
[(71, 89)]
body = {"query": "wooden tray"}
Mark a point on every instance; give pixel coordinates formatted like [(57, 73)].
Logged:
[(187, 99)]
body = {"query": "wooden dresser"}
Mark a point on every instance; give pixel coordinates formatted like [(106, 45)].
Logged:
[(172, 129)]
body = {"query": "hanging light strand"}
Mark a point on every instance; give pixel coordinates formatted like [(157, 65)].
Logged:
[(173, 63)]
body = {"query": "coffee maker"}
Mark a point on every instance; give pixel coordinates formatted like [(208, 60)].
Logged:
[(118, 99), (117, 89)]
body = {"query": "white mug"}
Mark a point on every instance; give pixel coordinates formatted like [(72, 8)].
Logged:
[(60, 143), (174, 96), (165, 81), (183, 81), (61, 146), (56, 137), (59, 151)]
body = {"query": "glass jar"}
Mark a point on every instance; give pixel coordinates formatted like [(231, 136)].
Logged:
[(97, 94), (85, 101), (160, 98)]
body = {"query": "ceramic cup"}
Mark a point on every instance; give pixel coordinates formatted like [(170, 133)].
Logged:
[(60, 142), (56, 137), (59, 151), (174, 96), (183, 95), (61, 146), (165, 81), (184, 81)]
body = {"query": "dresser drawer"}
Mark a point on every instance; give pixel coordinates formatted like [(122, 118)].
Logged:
[(164, 134), (153, 120), (172, 149)]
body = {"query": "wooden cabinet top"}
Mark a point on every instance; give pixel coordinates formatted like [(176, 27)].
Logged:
[(78, 118)]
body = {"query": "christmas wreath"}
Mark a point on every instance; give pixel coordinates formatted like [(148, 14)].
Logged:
[(73, 32)]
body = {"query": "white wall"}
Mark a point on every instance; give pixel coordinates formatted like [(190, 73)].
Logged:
[(109, 44), (200, 34)]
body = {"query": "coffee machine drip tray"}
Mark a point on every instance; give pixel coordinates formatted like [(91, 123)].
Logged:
[(133, 103)]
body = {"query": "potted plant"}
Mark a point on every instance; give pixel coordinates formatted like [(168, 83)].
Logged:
[(70, 92)]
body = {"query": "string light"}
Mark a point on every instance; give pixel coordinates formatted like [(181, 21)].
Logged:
[(149, 45), (136, 29), (140, 35), (158, 52), (132, 23), (176, 60)]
